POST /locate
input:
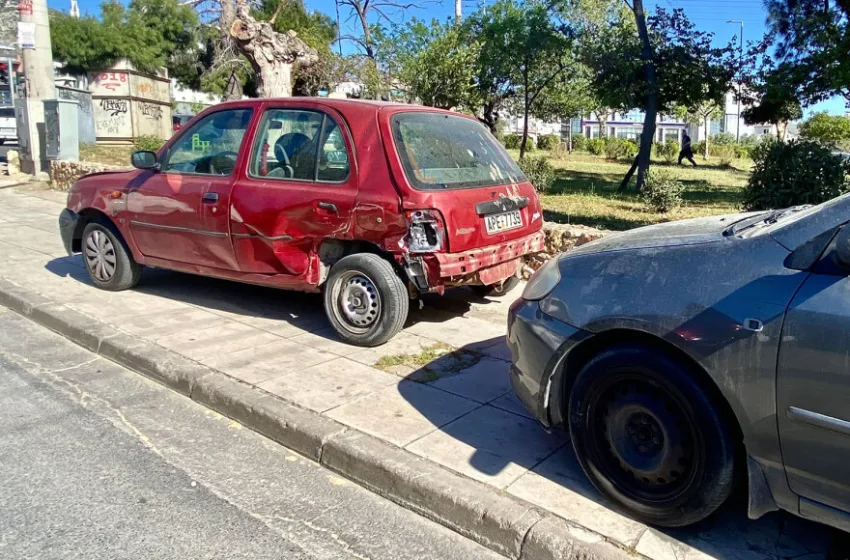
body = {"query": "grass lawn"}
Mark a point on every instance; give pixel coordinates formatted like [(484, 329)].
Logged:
[(585, 192), (105, 154)]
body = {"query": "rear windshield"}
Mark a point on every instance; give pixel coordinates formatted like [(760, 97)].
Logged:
[(440, 151)]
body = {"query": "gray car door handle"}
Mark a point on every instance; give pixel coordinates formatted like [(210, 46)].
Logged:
[(210, 198), (329, 206)]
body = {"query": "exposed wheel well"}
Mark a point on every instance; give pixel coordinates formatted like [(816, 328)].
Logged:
[(85, 217), (332, 250), (586, 350)]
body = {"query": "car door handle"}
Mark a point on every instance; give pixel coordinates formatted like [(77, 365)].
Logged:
[(329, 206), (210, 198)]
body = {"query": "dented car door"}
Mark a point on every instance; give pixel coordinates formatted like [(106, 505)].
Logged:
[(299, 188)]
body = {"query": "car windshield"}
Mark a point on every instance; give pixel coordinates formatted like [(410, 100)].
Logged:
[(442, 151)]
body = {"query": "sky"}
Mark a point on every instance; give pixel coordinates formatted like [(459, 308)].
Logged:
[(708, 15)]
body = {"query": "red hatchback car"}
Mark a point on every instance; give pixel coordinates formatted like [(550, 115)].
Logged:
[(374, 203)]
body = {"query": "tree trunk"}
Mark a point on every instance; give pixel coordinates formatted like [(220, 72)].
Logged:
[(525, 106), (367, 34), (644, 155), (271, 54), (233, 90), (570, 134), (603, 121), (781, 130), (458, 11), (490, 116), (706, 131)]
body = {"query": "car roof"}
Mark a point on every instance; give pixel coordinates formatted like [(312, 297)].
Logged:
[(342, 105)]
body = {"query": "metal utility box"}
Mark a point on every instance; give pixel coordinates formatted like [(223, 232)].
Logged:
[(61, 129)]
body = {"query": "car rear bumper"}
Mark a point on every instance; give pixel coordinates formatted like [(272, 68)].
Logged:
[(467, 262), (539, 345), (67, 227)]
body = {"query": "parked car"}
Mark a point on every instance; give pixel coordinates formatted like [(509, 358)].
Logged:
[(683, 356), (373, 203), (8, 125)]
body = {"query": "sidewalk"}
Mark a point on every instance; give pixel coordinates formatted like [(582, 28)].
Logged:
[(439, 390)]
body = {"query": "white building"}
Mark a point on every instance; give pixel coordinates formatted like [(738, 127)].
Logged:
[(187, 101)]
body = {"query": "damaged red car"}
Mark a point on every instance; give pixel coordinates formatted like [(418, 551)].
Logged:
[(371, 203)]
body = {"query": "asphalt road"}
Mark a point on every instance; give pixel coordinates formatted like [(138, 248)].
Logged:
[(98, 462)]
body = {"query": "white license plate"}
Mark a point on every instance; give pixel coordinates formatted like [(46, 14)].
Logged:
[(503, 222), (8, 130)]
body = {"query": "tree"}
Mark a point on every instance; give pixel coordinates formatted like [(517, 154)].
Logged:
[(149, 33), (703, 114), (666, 63), (368, 13), (271, 54), (813, 41), (777, 103), (435, 63), (831, 130)]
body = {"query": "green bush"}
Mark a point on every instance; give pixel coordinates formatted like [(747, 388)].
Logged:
[(148, 142), (596, 146), (698, 148), (724, 154), (743, 151), (761, 149), (661, 191), (512, 141), (796, 172), (669, 150), (538, 171), (579, 143), (723, 139), (619, 148), (548, 141)]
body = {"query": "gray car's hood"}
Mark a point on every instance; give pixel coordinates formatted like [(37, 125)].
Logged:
[(682, 232)]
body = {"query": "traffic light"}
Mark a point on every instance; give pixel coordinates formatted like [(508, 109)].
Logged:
[(4, 74)]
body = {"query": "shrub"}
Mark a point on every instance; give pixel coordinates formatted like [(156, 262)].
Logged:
[(669, 150), (548, 141), (512, 141), (723, 139), (698, 148), (148, 142), (579, 142), (761, 149), (797, 172), (725, 154), (661, 191), (619, 148), (560, 151), (743, 151), (539, 171), (596, 146)]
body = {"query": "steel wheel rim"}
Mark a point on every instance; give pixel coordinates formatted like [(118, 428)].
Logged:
[(357, 302), (100, 256), (643, 439)]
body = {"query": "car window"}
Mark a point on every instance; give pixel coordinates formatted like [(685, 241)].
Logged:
[(299, 144), (7, 113), (442, 151), (211, 146)]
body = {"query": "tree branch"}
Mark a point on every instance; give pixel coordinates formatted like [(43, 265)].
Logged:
[(276, 12)]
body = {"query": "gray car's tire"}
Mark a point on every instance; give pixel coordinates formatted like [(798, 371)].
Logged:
[(649, 436), (497, 290), (107, 258), (365, 300)]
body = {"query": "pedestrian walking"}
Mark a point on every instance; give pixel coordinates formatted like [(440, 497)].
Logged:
[(686, 152)]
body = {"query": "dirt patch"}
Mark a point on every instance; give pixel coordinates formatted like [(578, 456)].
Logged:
[(432, 363)]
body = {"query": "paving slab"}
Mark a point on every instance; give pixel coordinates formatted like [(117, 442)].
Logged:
[(490, 445), (511, 403), (329, 384), (460, 331), (210, 342), (483, 382), (327, 340), (260, 363), (402, 413), (166, 325)]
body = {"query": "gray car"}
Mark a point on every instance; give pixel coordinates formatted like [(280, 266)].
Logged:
[(685, 356)]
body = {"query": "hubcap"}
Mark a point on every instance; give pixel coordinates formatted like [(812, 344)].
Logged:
[(645, 441), (100, 255), (359, 301)]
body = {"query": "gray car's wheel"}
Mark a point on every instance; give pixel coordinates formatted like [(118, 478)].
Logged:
[(497, 290), (649, 436), (365, 300), (108, 259)]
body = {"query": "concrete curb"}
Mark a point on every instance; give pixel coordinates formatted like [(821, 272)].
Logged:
[(502, 523)]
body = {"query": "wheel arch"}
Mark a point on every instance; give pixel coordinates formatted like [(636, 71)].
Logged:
[(84, 218), (332, 250)]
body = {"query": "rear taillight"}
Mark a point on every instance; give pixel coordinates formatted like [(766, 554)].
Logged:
[(426, 231)]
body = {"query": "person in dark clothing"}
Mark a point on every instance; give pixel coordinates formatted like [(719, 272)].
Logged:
[(686, 152)]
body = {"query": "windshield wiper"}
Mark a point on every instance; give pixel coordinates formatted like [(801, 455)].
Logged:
[(766, 218)]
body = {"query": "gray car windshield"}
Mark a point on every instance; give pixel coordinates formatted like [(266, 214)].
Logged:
[(440, 151)]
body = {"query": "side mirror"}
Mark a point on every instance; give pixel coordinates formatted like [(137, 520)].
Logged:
[(144, 159), (842, 248)]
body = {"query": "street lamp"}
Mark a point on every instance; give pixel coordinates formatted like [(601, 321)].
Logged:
[(740, 85)]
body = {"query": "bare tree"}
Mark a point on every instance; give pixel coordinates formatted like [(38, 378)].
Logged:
[(270, 53), (363, 10)]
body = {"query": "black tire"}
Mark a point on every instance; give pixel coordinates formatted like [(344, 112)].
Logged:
[(497, 290), (365, 300), (126, 271), (649, 437)]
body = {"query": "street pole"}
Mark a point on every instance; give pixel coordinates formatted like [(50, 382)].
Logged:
[(39, 85), (740, 77), (458, 11)]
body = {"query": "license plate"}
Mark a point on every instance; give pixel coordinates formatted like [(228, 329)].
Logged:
[(503, 222), (8, 130)]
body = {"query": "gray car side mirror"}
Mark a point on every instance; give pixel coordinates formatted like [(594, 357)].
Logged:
[(144, 159), (842, 248)]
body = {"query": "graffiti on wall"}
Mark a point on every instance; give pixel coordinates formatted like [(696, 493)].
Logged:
[(114, 107), (110, 80), (83, 98), (151, 111), (146, 89)]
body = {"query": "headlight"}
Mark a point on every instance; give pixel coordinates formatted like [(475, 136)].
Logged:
[(543, 281)]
